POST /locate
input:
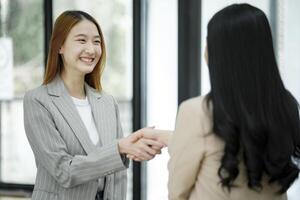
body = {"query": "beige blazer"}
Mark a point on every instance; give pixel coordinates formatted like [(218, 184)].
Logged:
[(195, 154), (68, 163)]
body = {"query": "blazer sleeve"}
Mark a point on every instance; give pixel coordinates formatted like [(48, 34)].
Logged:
[(120, 178), (186, 151), (51, 151), (120, 131)]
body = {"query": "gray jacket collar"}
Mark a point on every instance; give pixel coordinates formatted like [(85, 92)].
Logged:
[(63, 102), (57, 88)]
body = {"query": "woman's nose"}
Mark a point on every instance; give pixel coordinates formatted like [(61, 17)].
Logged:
[(89, 49)]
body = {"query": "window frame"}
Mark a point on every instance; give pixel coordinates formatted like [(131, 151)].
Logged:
[(25, 190)]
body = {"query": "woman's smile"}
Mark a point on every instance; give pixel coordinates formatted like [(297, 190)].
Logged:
[(87, 60)]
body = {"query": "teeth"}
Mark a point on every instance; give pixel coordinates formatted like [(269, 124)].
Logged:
[(87, 60)]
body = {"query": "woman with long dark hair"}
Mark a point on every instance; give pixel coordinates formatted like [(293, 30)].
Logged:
[(238, 141)]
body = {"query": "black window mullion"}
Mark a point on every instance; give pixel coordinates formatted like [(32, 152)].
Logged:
[(48, 23), (139, 90), (189, 49), (15, 190), (274, 19)]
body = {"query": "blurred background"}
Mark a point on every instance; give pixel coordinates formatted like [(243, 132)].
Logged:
[(155, 61)]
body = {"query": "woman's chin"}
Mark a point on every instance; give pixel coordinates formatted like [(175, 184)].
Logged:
[(87, 69)]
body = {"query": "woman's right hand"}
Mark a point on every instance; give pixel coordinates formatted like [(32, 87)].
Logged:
[(139, 147), (159, 135)]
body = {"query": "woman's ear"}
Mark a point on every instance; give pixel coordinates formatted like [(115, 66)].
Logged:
[(61, 49)]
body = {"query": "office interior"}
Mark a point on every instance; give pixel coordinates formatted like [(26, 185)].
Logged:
[(155, 60)]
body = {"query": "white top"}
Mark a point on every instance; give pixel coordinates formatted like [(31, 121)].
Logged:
[(84, 109)]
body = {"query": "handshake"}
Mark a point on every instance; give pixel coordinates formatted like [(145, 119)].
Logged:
[(144, 144)]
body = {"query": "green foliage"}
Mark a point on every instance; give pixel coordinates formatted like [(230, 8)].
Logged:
[(25, 26)]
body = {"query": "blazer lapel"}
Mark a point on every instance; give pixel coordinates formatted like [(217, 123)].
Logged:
[(65, 105), (94, 100)]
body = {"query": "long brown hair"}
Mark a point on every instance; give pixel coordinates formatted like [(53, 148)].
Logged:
[(63, 24)]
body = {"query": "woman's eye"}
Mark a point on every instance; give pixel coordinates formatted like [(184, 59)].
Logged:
[(97, 42), (81, 40)]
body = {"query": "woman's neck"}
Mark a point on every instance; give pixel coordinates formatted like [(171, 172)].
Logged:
[(74, 84)]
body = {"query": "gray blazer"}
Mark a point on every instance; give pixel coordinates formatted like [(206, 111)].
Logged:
[(68, 163)]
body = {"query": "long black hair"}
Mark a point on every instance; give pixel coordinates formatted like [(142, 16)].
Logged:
[(253, 112)]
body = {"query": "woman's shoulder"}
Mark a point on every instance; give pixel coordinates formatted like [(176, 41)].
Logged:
[(103, 94), (197, 112), (194, 100), (37, 96), (37, 92), (107, 96), (196, 105)]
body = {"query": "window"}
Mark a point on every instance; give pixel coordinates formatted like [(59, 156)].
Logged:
[(288, 47), (161, 85), (21, 68)]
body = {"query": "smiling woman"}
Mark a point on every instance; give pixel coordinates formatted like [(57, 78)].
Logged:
[(82, 48), (80, 52), (74, 127), (72, 41)]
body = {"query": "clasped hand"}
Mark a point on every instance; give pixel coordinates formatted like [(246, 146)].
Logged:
[(144, 144)]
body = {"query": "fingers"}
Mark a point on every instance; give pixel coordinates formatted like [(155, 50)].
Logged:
[(153, 143), (150, 134), (143, 144), (146, 151), (158, 151), (135, 136), (142, 152), (162, 136), (132, 157), (154, 134), (139, 149), (147, 148), (140, 133), (140, 159)]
